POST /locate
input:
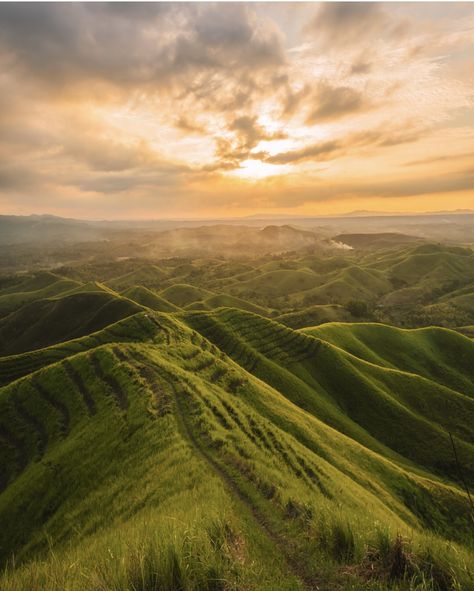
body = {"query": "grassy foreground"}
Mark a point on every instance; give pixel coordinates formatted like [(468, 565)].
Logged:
[(222, 450)]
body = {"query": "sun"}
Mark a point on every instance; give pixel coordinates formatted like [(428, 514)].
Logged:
[(255, 170)]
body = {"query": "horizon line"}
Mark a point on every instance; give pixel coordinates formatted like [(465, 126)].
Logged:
[(254, 217)]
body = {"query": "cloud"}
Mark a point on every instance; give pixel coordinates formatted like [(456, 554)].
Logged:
[(18, 177), (155, 178), (293, 100), (107, 155), (341, 24), (323, 190), (208, 60), (135, 44), (182, 122), (334, 102), (360, 67), (249, 132), (317, 152), (438, 159), (336, 148), (458, 181), (246, 133), (159, 100)]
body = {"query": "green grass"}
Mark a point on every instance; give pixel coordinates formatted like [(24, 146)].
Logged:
[(363, 400), (150, 299), (435, 266), (136, 328), (32, 282), (182, 294), (272, 496), (314, 315), (10, 302), (227, 301), (150, 276), (277, 283), (435, 353), (378, 240), (153, 445), (47, 321)]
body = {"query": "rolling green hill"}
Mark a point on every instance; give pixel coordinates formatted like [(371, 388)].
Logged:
[(429, 264), (463, 301), (239, 429), (287, 440), (182, 294), (90, 287), (435, 353), (277, 283), (31, 282), (227, 301), (377, 240), (43, 286), (150, 276), (313, 315), (348, 284), (148, 298), (407, 285), (44, 322)]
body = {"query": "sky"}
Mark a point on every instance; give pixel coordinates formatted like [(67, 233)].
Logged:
[(189, 110)]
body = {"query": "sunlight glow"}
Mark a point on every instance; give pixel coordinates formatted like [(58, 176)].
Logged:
[(255, 169)]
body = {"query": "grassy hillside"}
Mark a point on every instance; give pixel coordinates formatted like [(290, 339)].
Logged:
[(45, 285), (44, 322), (277, 283), (150, 276), (273, 496), (348, 284), (314, 315), (402, 284), (30, 282), (428, 264), (239, 425), (227, 301), (375, 398), (132, 328), (150, 299), (435, 353), (182, 294), (379, 240)]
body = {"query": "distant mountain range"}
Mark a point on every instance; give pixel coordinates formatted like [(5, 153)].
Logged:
[(168, 237)]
